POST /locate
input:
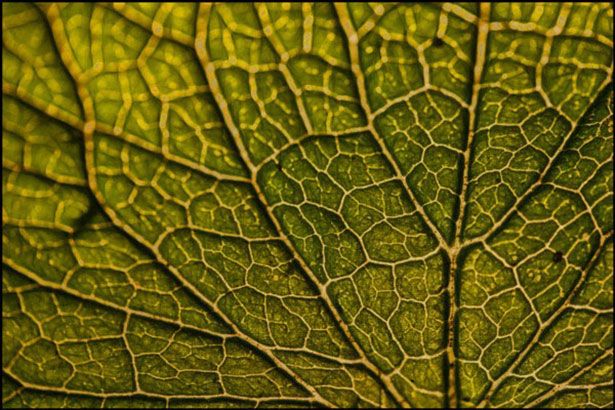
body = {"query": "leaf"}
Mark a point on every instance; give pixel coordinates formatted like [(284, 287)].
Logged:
[(300, 205)]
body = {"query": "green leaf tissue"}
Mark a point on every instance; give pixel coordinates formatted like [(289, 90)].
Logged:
[(307, 205)]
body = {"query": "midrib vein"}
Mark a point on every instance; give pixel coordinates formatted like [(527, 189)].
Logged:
[(455, 250), (479, 64), (452, 251)]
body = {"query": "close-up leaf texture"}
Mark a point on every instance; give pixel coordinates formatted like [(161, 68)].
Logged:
[(307, 205)]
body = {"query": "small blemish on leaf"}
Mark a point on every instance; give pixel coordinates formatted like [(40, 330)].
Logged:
[(558, 256), (438, 42)]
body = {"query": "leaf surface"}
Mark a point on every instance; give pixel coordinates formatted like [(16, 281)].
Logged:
[(307, 205)]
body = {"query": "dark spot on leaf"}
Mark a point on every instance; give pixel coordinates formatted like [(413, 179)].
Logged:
[(438, 42), (557, 257)]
